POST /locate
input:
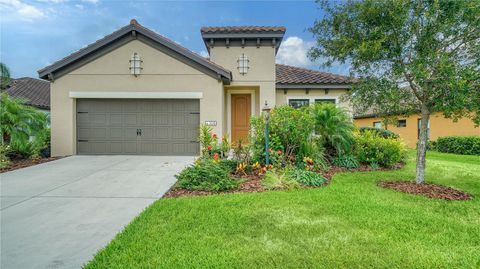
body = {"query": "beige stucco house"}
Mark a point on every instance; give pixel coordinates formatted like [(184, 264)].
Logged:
[(137, 92)]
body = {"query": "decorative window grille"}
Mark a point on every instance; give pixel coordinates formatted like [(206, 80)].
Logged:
[(135, 64), (243, 64)]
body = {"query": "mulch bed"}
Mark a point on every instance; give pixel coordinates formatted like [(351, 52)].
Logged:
[(22, 163), (428, 190), (253, 182)]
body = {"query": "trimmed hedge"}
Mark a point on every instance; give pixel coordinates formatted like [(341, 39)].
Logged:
[(379, 131), (466, 145)]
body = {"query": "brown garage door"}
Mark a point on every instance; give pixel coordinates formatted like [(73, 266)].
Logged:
[(138, 127)]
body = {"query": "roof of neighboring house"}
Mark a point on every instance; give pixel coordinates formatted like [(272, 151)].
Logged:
[(290, 75), (36, 92), (242, 29), (130, 32)]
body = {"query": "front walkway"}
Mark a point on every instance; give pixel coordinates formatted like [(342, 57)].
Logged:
[(58, 214)]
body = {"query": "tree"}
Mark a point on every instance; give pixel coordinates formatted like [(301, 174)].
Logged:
[(18, 121), (4, 76), (408, 55)]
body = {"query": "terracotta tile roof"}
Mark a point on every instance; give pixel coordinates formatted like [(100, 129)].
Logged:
[(286, 74), (242, 29), (35, 91)]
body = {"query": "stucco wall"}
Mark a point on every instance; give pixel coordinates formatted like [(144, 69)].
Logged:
[(110, 73), (282, 97), (439, 126), (261, 73)]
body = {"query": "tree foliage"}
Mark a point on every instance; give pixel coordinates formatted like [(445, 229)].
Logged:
[(408, 55), (4, 76), (18, 121)]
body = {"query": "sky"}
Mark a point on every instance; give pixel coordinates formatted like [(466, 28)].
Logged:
[(36, 33)]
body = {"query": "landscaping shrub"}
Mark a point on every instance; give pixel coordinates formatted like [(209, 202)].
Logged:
[(334, 127), (466, 145), (18, 121), (379, 131), (306, 178), (4, 161), (289, 129), (371, 147), (230, 165), (23, 149), (277, 180), (346, 161), (207, 175)]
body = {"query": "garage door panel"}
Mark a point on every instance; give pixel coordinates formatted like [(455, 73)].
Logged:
[(178, 133), (130, 147), (97, 119), (131, 119), (161, 133), (148, 133), (116, 133), (116, 119), (178, 118), (130, 133), (99, 133), (147, 119), (110, 126)]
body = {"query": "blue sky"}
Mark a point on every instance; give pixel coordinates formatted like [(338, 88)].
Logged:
[(36, 33)]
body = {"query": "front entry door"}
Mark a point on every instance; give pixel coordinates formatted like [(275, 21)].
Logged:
[(241, 112)]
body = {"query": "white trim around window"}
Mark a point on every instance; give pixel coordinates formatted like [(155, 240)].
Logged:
[(311, 99)]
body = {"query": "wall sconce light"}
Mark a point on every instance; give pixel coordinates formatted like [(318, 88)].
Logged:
[(135, 64)]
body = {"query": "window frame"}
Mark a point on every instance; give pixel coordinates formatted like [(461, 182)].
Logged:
[(379, 122), (400, 125), (299, 99), (325, 101)]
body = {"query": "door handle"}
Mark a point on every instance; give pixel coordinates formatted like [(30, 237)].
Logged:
[(139, 132)]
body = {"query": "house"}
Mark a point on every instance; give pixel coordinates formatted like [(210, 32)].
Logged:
[(137, 92), (408, 127), (35, 92)]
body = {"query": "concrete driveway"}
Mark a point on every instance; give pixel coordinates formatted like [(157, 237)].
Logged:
[(59, 214)]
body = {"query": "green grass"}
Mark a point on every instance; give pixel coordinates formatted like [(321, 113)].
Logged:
[(349, 224)]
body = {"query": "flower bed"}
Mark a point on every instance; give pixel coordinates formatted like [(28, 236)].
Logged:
[(22, 163)]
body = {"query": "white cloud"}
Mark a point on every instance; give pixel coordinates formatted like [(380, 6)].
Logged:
[(91, 1), (203, 53), (23, 10), (79, 6), (293, 51)]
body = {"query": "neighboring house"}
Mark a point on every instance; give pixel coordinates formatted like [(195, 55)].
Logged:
[(36, 92), (408, 127), (137, 92)]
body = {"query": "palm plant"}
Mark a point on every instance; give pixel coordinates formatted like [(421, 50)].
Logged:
[(334, 128), (4, 76), (18, 121)]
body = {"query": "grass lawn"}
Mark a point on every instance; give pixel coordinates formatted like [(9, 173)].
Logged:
[(351, 223)]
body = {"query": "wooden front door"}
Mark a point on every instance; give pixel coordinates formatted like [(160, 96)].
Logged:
[(241, 112)]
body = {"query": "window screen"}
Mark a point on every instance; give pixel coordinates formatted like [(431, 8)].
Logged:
[(325, 101), (297, 103), (377, 124), (402, 123)]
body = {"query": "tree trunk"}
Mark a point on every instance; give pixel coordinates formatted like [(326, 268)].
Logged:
[(422, 145)]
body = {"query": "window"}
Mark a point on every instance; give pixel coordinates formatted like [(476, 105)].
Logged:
[(377, 124), (402, 123), (297, 103), (135, 64), (418, 129), (325, 101), (243, 64)]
